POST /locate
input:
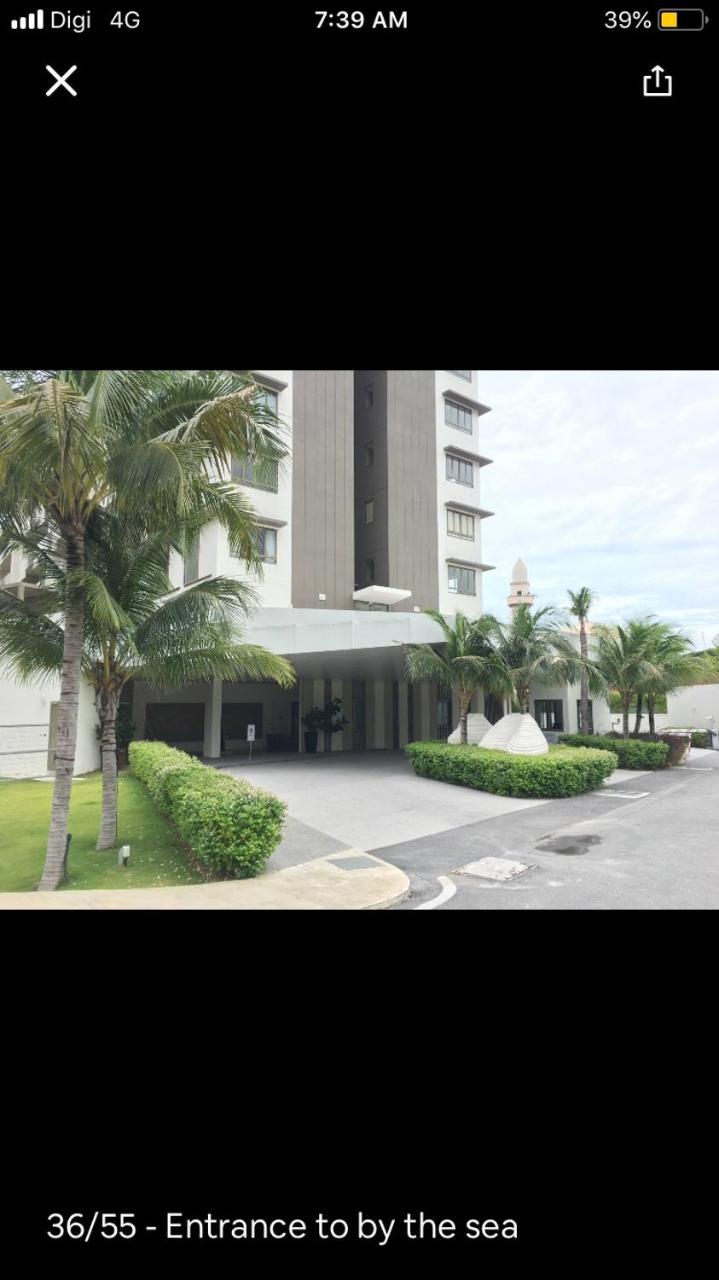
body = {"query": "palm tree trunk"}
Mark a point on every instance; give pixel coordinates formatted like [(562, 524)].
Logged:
[(650, 709), (67, 716), (464, 705), (638, 720), (625, 717), (584, 687), (108, 747)]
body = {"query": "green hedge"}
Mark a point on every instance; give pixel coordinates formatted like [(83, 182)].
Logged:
[(563, 772), (231, 826), (632, 753), (700, 737)]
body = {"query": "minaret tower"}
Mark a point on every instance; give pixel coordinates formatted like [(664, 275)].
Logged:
[(519, 587)]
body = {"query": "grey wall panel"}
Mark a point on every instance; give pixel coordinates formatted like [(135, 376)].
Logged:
[(412, 484), (323, 489), (371, 540)]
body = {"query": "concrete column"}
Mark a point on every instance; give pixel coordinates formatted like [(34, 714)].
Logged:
[(318, 700), (379, 725), (301, 698), (425, 690), (338, 692), (403, 699), (213, 720), (388, 714), (369, 714), (348, 731)]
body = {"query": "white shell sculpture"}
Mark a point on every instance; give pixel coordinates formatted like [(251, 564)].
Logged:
[(518, 735), (501, 733), (477, 726)]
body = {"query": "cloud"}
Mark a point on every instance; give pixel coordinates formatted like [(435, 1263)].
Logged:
[(610, 480)]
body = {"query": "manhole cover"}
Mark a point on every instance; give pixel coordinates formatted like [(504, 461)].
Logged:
[(568, 844), (493, 869)]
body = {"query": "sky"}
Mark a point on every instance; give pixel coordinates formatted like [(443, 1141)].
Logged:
[(608, 480)]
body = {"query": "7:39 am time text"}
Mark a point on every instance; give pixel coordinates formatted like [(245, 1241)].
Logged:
[(345, 20)]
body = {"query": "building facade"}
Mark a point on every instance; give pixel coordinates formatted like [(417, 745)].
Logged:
[(374, 517)]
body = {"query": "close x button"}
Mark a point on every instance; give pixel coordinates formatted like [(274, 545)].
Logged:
[(61, 80)]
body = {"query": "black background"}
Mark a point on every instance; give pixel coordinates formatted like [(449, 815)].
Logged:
[(192, 62)]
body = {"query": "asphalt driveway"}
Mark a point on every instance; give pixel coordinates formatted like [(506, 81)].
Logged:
[(646, 840)]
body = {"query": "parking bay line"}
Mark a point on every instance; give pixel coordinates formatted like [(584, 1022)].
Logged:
[(448, 891), (624, 795)]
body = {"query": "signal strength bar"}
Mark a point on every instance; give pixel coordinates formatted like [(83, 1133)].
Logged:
[(33, 22)]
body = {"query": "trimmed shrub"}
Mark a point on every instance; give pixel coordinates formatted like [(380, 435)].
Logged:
[(631, 753), (563, 772), (699, 737), (231, 826)]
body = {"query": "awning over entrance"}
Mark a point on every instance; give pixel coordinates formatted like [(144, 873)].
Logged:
[(381, 595)]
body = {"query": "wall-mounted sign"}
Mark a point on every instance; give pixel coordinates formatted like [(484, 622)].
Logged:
[(250, 733)]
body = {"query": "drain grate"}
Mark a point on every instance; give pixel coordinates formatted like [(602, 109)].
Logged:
[(357, 862), (568, 845)]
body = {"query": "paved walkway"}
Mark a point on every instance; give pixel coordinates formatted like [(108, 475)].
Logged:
[(351, 880)]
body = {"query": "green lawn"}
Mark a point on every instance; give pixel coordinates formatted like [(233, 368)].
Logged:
[(157, 857)]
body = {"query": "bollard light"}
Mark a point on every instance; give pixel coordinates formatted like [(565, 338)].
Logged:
[(123, 856)]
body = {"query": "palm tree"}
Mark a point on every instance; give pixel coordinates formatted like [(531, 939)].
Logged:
[(580, 602), (463, 662), (155, 442), (531, 647), (136, 628), (624, 660), (674, 665)]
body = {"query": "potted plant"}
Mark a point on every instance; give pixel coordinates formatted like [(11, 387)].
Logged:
[(328, 719)]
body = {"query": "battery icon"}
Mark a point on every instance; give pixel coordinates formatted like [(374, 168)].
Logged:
[(681, 19)]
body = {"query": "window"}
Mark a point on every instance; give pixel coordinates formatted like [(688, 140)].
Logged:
[(368, 454), (256, 475), (591, 715), (191, 566), (369, 396), (369, 512), (460, 525), (549, 714), (455, 415), (267, 545), (462, 581), (269, 399), (459, 470), (369, 573), (463, 373)]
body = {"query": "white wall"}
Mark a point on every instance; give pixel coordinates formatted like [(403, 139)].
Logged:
[(29, 705), (448, 491), (274, 584), (690, 708)]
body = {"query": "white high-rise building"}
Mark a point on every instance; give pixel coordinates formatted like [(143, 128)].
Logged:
[(375, 517)]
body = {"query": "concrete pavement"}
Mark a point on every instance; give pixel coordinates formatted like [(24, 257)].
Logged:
[(373, 798)]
